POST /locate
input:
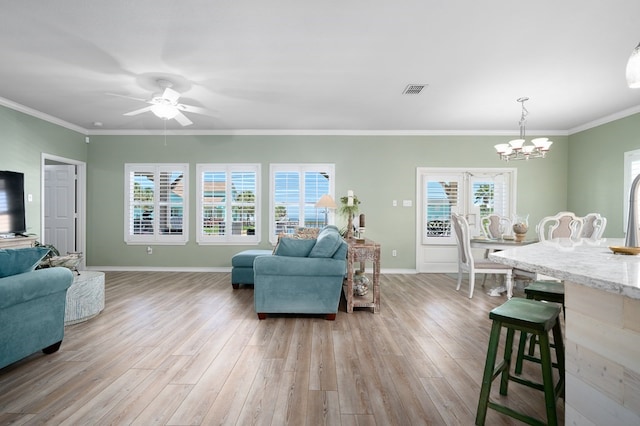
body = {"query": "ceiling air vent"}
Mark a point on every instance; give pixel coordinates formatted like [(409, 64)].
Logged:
[(414, 89)]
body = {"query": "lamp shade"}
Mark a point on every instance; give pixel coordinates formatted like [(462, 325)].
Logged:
[(326, 201), (633, 68)]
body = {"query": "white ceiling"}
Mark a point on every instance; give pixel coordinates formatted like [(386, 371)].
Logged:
[(325, 66)]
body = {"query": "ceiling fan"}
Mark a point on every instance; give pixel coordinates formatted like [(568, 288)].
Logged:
[(166, 106)]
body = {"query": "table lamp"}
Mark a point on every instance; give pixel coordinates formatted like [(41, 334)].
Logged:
[(327, 202)]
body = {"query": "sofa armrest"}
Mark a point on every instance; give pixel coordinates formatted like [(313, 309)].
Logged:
[(299, 266), (20, 288)]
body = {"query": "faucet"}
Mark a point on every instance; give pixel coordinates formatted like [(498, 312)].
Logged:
[(633, 239)]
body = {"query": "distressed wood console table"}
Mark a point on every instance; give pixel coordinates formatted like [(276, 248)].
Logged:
[(363, 252)]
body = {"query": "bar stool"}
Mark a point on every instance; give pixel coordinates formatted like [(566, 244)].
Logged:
[(532, 317), (549, 291)]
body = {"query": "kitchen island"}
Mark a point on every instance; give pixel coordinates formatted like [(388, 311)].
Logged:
[(602, 327)]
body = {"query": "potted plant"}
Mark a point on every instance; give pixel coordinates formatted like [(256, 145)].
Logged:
[(349, 208)]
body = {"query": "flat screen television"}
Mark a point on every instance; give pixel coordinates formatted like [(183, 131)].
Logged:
[(12, 210)]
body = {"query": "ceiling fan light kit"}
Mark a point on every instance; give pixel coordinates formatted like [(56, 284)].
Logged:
[(164, 111), (633, 68), (166, 106), (518, 149)]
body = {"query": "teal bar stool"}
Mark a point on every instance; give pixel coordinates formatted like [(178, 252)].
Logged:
[(532, 317), (548, 291)]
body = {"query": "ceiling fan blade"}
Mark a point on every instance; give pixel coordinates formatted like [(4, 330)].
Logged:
[(138, 111), (171, 95), (182, 119), (194, 109), (127, 97)]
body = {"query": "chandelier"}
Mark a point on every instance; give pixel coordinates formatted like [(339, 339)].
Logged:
[(518, 149)]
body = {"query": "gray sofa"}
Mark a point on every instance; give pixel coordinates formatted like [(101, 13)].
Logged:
[(32, 304)]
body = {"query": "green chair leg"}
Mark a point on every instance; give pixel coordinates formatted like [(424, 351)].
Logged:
[(487, 377)]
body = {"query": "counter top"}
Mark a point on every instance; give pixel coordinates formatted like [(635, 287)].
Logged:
[(587, 262)]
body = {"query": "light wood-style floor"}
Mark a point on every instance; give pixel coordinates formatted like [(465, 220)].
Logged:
[(187, 349)]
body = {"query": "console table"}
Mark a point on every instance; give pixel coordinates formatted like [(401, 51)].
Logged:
[(363, 252)]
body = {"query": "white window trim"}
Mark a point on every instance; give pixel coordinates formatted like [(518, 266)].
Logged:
[(228, 239), (155, 238), (630, 157), (300, 168)]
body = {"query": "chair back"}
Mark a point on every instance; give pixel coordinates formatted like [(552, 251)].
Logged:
[(593, 226), (561, 225), (495, 226), (461, 228)]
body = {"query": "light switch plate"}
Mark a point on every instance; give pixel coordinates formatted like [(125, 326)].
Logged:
[(406, 203)]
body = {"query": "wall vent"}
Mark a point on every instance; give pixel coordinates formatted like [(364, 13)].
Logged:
[(414, 89)]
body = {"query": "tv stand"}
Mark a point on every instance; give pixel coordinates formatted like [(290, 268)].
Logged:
[(18, 241)]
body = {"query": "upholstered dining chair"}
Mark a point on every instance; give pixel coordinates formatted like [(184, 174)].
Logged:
[(495, 226), (593, 225), (466, 262), (561, 225)]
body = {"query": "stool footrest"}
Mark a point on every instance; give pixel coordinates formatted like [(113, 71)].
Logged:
[(516, 415)]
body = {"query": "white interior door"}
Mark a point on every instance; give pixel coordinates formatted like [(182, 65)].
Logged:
[(60, 207)]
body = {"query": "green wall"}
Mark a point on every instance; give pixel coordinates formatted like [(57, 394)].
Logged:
[(379, 169), (23, 140), (596, 170), (583, 173)]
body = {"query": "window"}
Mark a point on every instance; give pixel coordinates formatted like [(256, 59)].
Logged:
[(228, 203), (295, 189), (631, 170), (156, 200), (474, 193)]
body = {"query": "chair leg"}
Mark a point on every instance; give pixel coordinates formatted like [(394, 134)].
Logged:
[(487, 377), (547, 380), (459, 279), (520, 357), (472, 283)]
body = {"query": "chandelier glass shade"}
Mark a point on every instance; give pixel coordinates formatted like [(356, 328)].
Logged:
[(633, 68), (519, 149)]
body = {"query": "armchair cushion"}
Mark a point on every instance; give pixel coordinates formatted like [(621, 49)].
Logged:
[(327, 244), (294, 248), (20, 260)]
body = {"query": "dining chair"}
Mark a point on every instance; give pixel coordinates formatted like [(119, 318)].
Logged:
[(561, 225), (495, 226), (593, 225), (466, 262)]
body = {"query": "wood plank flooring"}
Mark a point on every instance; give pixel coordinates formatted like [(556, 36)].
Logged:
[(187, 349)]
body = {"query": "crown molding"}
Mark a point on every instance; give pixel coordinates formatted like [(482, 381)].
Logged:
[(604, 120), (275, 132), (41, 115)]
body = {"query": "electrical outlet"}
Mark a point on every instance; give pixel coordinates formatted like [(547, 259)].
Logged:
[(394, 253), (394, 203), (149, 250)]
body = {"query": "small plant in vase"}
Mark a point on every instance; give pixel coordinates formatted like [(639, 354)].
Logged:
[(349, 208)]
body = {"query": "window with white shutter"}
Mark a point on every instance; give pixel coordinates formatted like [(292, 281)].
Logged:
[(295, 189), (228, 203), (472, 192), (156, 201)]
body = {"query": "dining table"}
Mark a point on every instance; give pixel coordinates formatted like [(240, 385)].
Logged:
[(498, 244)]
